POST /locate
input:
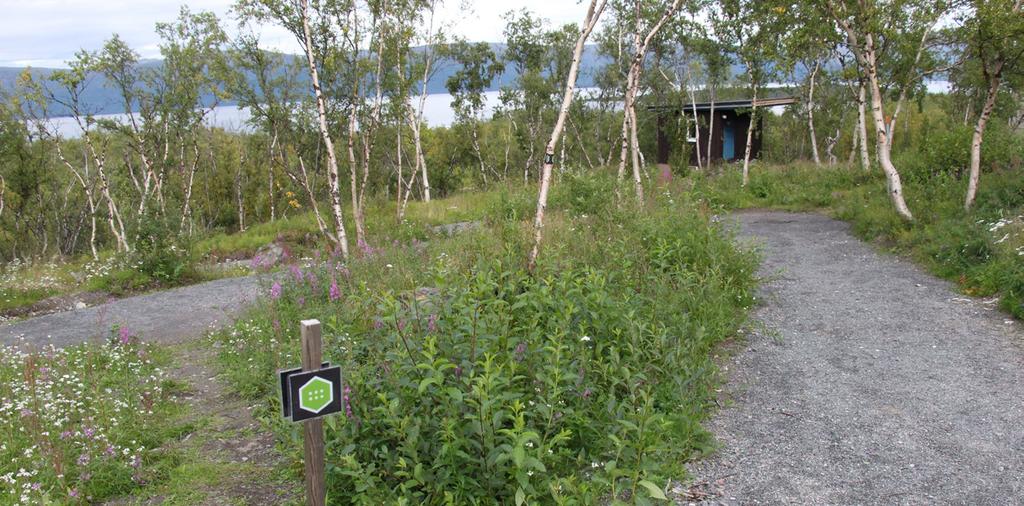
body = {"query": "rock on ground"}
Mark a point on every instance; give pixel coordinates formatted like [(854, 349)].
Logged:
[(868, 382)]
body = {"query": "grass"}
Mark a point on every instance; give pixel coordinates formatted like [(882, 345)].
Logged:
[(982, 251), (83, 424)]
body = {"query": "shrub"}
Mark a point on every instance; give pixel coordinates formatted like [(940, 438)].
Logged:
[(583, 194), (511, 206), (583, 382), (161, 253)]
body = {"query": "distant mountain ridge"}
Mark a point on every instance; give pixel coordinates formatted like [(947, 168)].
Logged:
[(100, 98)]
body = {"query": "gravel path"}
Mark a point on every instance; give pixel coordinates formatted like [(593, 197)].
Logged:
[(164, 317), (870, 382)]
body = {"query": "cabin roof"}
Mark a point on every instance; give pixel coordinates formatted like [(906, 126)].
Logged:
[(725, 105)]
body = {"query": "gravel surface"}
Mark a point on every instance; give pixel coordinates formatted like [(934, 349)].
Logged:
[(868, 382), (165, 317)]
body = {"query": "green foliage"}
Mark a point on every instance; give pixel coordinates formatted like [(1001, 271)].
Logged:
[(583, 194), (584, 382), (161, 253), (512, 206)]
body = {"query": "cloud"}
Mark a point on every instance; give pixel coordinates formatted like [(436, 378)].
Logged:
[(49, 32)]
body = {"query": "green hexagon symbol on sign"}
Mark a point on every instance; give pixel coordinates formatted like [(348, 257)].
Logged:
[(315, 395)]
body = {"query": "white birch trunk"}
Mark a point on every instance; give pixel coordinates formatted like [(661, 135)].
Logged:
[(750, 137), (629, 100), (332, 161), (979, 132), (884, 146), (696, 123), (866, 58), (810, 115), (186, 211), (862, 129), (593, 13), (711, 126)]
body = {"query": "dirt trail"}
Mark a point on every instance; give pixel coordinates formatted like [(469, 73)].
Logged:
[(231, 459), (871, 382), (163, 317)]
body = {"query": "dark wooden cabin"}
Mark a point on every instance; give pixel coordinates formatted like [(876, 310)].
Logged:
[(729, 137)]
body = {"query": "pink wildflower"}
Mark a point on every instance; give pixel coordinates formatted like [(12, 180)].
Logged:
[(124, 335), (335, 292)]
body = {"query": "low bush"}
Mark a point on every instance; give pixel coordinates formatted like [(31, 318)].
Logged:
[(161, 253), (469, 380)]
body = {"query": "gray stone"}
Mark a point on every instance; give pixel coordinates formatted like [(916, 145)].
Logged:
[(269, 255), (459, 227)]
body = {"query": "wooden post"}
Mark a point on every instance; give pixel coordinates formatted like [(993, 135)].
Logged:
[(313, 430)]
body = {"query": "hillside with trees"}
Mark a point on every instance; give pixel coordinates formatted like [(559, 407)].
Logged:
[(530, 305)]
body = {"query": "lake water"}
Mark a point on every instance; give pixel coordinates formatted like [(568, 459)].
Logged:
[(437, 111)]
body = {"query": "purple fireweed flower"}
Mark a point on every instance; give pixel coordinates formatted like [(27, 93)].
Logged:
[(275, 291), (432, 323), (377, 324), (66, 434), (296, 273), (334, 293), (313, 281), (110, 451), (256, 262), (25, 412), (366, 248), (73, 493), (36, 486), (88, 431), (346, 397), (520, 351), (124, 335), (83, 459)]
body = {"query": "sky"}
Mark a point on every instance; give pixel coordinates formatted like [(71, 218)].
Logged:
[(46, 33)]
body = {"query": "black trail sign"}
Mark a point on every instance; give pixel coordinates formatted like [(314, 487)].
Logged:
[(314, 394)]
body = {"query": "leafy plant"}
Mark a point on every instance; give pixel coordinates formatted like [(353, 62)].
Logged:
[(583, 383)]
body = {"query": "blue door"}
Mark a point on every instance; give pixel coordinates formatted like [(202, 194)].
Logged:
[(728, 143)]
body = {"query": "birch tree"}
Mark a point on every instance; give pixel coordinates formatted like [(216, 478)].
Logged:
[(269, 99), (589, 22), (642, 37), (297, 17), (995, 40), (749, 29), (477, 66), (865, 24), (72, 83)]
